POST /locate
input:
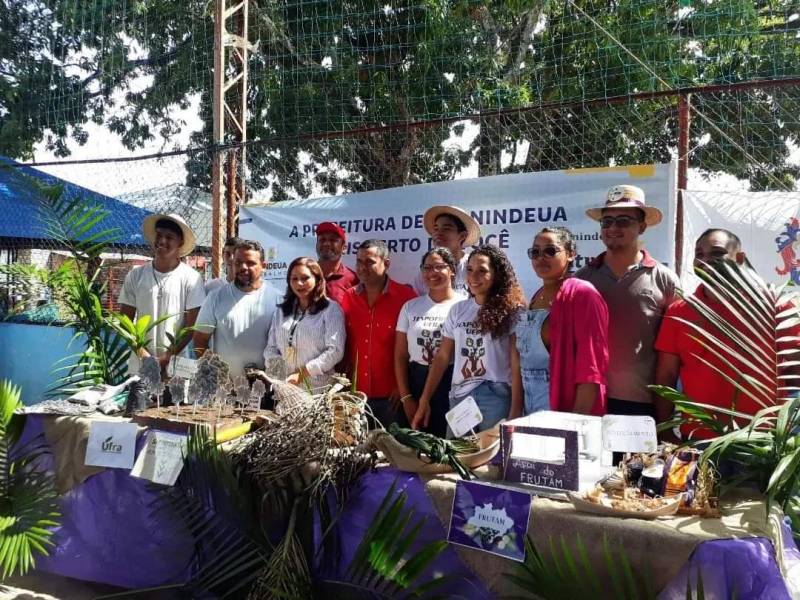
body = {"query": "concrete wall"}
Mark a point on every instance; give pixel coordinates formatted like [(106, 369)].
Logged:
[(28, 354)]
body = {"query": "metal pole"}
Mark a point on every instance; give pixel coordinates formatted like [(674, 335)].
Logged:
[(230, 195), (218, 138), (244, 33), (684, 124)]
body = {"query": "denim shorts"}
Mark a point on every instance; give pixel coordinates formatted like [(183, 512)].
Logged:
[(493, 399)]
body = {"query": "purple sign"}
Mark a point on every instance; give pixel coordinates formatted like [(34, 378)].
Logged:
[(547, 474), (490, 518)]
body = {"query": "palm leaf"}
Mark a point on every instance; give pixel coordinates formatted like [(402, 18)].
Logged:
[(135, 333), (561, 575), (218, 509), (28, 498), (759, 359), (382, 566), (74, 222)]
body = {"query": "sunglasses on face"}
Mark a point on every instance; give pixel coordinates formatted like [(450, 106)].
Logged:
[(621, 221), (548, 251)]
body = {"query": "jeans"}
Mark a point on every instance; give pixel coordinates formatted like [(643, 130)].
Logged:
[(534, 361), (494, 401)]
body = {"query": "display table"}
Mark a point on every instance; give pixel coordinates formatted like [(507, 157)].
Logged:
[(735, 552), (110, 534)]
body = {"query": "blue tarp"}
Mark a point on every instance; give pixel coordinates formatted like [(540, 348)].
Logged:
[(19, 201)]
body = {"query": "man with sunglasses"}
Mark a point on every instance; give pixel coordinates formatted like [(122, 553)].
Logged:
[(637, 289)]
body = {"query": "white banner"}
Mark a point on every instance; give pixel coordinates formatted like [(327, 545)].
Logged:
[(511, 209), (767, 223)]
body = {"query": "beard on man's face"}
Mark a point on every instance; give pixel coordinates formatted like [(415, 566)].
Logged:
[(243, 280)]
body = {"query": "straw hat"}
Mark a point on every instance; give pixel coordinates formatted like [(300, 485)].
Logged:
[(434, 212), (627, 196), (149, 227)]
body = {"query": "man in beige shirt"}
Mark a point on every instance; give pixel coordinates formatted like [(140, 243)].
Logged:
[(637, 289)]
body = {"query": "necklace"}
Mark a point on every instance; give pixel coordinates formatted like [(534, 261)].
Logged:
[(160, 284), (539, 298), (291, 352)]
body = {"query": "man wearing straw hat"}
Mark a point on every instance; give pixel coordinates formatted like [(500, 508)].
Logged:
[(637, 289), (452, 228), (164, 286)]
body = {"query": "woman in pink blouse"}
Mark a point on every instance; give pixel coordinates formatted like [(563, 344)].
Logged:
[(561, 342)]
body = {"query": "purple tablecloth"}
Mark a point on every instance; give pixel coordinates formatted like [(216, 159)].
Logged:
[(110, 534)]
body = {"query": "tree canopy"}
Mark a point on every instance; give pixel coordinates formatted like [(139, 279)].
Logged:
[(329, 77)]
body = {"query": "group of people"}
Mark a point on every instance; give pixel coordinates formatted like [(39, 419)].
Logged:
[(589, 341)]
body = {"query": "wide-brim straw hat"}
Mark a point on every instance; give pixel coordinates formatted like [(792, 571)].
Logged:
[(473, 229), (149, 228), (627, 196)]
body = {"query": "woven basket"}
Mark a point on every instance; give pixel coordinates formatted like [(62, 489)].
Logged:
[(348, 419), (406, 459), (288, 397)]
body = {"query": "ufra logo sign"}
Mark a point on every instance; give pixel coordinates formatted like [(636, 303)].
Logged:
[(789, 251)]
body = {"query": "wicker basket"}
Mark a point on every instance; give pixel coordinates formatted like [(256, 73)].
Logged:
[(349, 426)]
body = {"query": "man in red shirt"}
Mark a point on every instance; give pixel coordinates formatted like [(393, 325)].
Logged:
[(681, 356), (330, 245), (370, 311)]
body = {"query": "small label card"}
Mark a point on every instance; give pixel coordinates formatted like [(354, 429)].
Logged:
[(111, 444), (541, 457), (184, 367), (464, 417), (629, 433), (490, 518), (161, 459)]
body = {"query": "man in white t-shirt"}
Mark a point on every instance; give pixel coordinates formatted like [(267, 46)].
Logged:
[(452, 228), (164, 286), (235, 318), (227, 260)]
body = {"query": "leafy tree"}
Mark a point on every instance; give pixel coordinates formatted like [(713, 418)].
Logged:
[(65, 64), (346, 66)]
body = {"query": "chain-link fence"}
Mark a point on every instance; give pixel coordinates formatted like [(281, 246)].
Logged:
[(356, 96)]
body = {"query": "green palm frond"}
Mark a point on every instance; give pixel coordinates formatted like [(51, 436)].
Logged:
[(757, 353), (748, 339), (74, 222), (383, 565), (28, 498), (218, 509), (136, 333), (180, 336), (563, 573), (77, 225)]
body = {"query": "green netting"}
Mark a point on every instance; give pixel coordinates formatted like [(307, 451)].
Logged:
[(360, 95), (326, 66), (355, 95)]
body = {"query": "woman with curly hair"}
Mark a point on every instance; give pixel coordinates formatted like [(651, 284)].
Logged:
[(477, 333), (307, 330)]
